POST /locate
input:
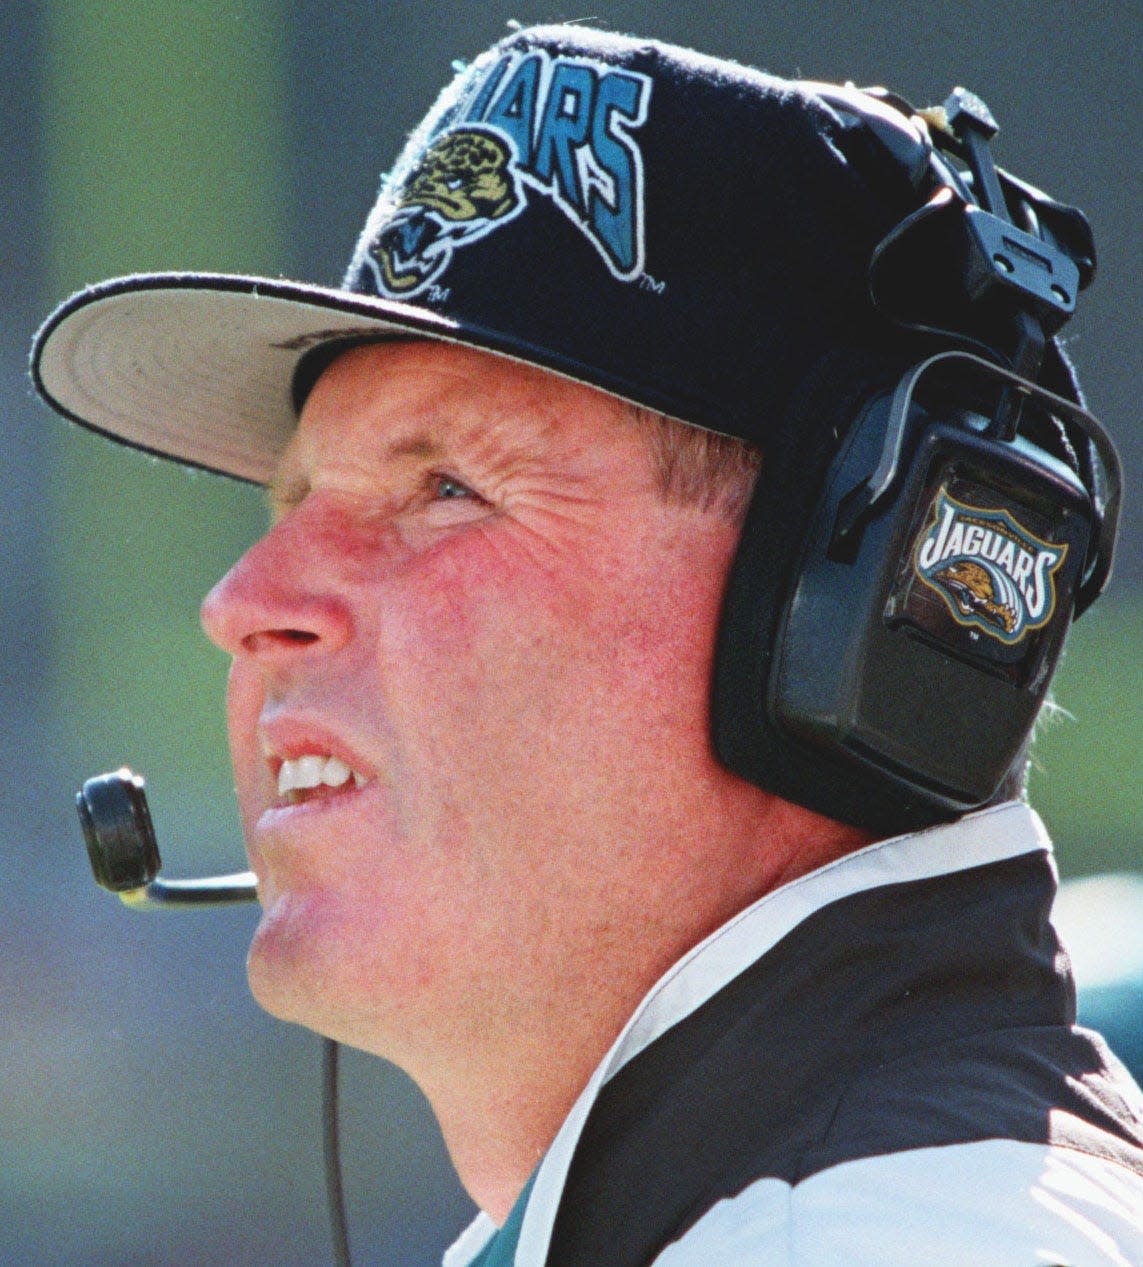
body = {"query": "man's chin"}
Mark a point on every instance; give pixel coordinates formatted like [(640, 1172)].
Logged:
[(303, 967), (283, 965)]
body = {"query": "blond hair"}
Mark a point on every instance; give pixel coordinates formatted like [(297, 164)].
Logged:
[(700, 468)]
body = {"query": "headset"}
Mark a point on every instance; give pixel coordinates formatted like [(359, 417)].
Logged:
[(915, 551), (932, 519)]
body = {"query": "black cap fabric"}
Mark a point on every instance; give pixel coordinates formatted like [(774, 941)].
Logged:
[(680, 231)]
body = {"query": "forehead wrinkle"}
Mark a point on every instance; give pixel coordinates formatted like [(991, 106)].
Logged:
[(462, 438), (492, 432), (463, 409)]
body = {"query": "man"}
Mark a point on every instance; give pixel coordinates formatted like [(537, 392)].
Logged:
[(767, 979)]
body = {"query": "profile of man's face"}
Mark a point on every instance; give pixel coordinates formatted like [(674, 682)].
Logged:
[(474, 597)]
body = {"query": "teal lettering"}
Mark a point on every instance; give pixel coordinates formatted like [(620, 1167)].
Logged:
[(564, 126), (514, 108), (621, 99), (474, 113)]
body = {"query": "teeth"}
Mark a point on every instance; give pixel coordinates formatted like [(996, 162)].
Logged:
[(313, 771)]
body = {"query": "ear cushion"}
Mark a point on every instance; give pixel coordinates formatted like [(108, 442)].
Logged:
[(762, 579)]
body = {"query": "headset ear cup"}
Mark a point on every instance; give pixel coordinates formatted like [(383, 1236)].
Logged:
[(762, 579)]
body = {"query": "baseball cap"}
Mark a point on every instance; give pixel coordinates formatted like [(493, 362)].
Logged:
[(683, 232)]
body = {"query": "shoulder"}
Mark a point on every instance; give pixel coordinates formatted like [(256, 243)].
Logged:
[(1019, 1147), (1053, 1085), (994, 1203)]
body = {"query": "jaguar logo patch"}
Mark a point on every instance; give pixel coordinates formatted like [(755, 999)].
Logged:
[(993, 574), (525, 126), (464, 186)]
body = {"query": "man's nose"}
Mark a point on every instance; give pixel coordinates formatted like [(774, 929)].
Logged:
[(278, 602)]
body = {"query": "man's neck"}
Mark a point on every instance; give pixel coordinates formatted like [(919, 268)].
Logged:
[(502, 1096)]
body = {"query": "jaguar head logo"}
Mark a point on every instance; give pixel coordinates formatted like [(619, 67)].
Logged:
[(463, 186), (464, 175), (974, 593)]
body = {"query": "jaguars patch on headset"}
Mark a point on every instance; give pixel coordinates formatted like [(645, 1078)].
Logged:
[(983, 574), (994, 574), (559, 126)]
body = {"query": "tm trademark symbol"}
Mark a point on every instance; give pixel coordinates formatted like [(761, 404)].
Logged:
[(439, 294), (647, 282)]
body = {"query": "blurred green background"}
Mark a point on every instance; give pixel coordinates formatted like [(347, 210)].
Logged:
[(149, 1113)]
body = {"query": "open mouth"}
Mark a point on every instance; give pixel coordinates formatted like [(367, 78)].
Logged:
[(312, 776)]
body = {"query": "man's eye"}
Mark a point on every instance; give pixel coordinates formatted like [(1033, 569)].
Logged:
[(447, 487)]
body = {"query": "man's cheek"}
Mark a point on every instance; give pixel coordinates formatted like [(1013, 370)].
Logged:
[(243, 708)]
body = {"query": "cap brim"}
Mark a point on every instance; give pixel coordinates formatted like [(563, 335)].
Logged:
[(200, 367)]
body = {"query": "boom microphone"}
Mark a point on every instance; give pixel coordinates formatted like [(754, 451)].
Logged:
[(125, 856)]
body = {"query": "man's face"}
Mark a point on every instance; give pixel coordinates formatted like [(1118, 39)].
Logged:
[(473, 598)]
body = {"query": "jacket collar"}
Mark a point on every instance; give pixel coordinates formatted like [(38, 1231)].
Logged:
[(991, 835)]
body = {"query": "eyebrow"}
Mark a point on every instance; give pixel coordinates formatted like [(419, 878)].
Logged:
[(289, 491), (418, 446)]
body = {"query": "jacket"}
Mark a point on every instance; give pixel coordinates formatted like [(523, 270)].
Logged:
[(877, 1063)]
